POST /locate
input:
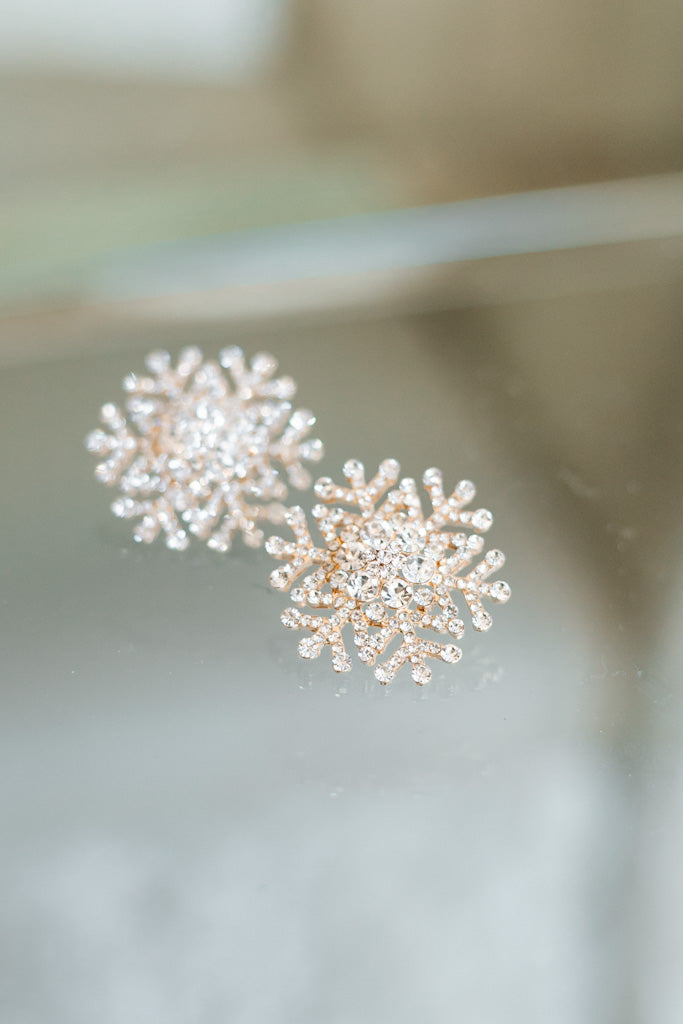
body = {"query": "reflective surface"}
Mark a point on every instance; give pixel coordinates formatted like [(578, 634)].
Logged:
[(199, 826)]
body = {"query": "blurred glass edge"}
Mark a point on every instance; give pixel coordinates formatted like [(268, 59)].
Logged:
[(482, 250)]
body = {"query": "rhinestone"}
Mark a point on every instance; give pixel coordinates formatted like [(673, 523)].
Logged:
[(418, 569), (500, 591), (276, 546), (481, 621), (177, 541), (450, 654), (302, 419), (377, 533), (465, 491), (390, 469), (279, 579), (482, 519), (374, 611), (290, 618), (396, 593), (229, 357), (341, 663), (495, 559), (421, 674), (309, 647), (456, 627), (123, 508), (324, 488), (432, 477), (353, 555), (383, 673), (98, 442), (264, 364), (362, 586), (146, 530), (353, 470), (409, 537), (158, 361), (424, 596)]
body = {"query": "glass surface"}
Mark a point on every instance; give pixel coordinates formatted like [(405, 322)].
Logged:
[(199, 826)]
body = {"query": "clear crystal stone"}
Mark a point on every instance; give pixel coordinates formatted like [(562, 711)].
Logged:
[(313, 450), (353, 555), (465, 491), (421, 674), (189, 360), (495, 559), (377, 533), (409, 536), (341, 663), (432, 477), (264, 364), (324, 487), (228, 357), (158, 361), (390, 469), (450, 654), (362, 586), (500, 591), (456, 627), (123, 508), (424, 596), (396, 593), (146, 530), (290, 618), (276, 546), (309, 647), (177, 541), (302, 419), (481, 621), (353, 469), (98, 442), (419, 569), (278, 579), (383, 673), (218, 543), (374, 611), (482, 519)]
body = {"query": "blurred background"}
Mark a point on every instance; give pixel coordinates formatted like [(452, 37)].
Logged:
[(459, 226)]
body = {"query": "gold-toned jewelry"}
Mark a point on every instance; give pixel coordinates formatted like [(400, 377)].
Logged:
[(203, 452), (387, 569)]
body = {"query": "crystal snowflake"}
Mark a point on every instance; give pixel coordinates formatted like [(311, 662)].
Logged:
[(204, 452), (387, 570)]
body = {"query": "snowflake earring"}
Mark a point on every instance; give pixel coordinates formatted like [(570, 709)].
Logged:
[(204, 452), (387, 570)]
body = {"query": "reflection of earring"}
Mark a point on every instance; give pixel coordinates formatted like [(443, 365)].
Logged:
[(199, 449), (387, 570)]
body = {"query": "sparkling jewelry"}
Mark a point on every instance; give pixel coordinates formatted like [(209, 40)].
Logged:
[(387, 569), (203, 452)]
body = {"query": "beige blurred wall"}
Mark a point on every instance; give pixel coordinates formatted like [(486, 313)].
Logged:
[(484, 97)]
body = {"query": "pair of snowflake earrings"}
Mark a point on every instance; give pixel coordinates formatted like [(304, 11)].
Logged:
[(203, 452)]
